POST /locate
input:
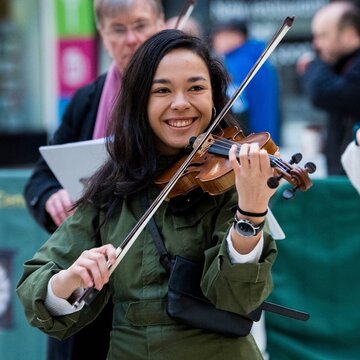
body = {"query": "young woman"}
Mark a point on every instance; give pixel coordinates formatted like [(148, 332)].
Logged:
[(171, 90)]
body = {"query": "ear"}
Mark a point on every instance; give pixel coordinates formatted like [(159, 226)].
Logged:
[(350, 37)]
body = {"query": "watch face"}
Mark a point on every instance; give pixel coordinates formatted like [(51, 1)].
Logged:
[(245, 228)]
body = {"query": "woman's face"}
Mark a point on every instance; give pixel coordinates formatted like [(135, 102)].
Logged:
[(180, 103)]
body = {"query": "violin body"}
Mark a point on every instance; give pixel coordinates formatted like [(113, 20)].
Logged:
[(213, 173)]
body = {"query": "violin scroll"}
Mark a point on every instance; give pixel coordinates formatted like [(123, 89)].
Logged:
[(295, 175)]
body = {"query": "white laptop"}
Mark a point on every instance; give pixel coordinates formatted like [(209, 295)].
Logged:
[(74, 163)]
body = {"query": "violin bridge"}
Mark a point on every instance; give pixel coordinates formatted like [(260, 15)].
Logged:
[(206, 144)]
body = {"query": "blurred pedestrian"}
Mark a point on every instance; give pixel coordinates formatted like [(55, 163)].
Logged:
[(331, 75), (259, 106)]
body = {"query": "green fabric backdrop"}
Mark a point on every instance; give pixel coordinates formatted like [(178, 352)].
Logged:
[(317, 271), (20, 237)]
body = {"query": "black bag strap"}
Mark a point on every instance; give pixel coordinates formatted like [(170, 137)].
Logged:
[(165, 258)]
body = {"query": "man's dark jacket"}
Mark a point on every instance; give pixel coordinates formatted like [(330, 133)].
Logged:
[(336, 90), (77, 124)]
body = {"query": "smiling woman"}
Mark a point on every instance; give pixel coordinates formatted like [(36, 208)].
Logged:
[(170, 88)]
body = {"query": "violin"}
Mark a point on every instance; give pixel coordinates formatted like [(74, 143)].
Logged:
[(211, 170)]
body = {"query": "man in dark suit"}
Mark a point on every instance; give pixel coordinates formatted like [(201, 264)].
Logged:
[(332, 77)]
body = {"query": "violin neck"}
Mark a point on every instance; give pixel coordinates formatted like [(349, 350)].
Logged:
[(219, 150), (222, 149)]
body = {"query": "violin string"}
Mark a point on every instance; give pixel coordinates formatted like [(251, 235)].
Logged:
[(226, 145)]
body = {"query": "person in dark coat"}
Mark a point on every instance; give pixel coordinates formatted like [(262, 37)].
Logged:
[(332, 78)]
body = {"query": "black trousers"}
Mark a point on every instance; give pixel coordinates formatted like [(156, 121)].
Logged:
[(92, 342)]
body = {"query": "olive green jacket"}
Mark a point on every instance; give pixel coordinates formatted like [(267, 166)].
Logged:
[(138, 286)]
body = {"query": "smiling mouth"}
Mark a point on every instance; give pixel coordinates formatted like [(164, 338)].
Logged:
[(179, 123)]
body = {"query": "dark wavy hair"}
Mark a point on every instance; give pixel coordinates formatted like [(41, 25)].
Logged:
[(132, 163)]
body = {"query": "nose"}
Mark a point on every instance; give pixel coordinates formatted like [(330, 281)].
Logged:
[(131, 37), (180, 102)]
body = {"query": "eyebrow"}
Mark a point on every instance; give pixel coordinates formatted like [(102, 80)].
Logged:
[(192, 79)]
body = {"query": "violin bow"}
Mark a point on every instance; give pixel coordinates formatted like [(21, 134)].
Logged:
[(90, 293), (185, 14)]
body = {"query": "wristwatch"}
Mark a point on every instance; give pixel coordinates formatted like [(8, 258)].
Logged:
[(245, 227)]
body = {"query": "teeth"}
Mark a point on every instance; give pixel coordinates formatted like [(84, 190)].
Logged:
[(180, 123)]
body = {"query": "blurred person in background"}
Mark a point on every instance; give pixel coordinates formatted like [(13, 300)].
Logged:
[(259, 106), (331, 76), (123, 26)]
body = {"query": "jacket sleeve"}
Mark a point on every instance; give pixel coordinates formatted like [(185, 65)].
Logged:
[(43, 183), (74, 236), (333, 92), (239, 288)]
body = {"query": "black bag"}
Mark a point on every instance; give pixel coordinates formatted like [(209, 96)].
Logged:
[(187, 305)]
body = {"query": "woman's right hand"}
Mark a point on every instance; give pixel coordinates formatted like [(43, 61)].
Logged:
[(91, 269)]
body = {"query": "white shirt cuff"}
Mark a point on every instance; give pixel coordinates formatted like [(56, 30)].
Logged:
[(252, 257), (59, 306)]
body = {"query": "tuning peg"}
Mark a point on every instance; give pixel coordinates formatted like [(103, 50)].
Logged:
[(311, 167), (296, 158), (289, 193), (273, 182)]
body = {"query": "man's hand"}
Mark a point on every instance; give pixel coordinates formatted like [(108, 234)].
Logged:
[(303, 62), (58, 206)]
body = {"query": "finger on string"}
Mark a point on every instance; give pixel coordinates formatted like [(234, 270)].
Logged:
[(265, 161), (244, 156), (254, 155)]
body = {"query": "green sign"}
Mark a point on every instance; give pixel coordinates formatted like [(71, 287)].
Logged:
[(74, 18), (20, 237)]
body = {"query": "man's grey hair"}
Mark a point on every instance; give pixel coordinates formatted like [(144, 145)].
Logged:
[(109, 8)]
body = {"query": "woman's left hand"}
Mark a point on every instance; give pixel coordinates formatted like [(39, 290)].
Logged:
[(252, 170)]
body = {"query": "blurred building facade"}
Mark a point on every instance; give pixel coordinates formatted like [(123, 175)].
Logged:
[(48, 48)]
